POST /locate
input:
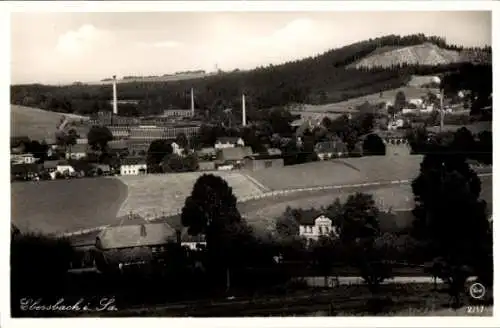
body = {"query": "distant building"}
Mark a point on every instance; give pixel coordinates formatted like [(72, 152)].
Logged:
[(206, 153), (25, 171), (417, 102), (77, 151), (229, 142), (232, 157), (133, 166), (65, 169), (82, 141), (206, 166), (178, 113), (259, 162), (22, 159), (395, 124)]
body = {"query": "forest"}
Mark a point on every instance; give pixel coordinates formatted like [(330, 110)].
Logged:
[(315, 80)]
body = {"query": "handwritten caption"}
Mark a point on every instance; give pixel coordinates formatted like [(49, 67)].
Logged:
[(82, 305)]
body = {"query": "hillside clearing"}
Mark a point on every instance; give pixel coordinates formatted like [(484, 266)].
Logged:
[(36, 123)]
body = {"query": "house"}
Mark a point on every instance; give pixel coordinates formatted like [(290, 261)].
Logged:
[(407, 110), (330, 149), (65, 169), (395, 124), (229, 142), (82, 141), (232, 157), (25, 171), (259, 162), (417, 102), (208, 153), (101, 169), (77, 151), (313, 224), (23, 159), (133, 166), (206, 166), (137, 242)]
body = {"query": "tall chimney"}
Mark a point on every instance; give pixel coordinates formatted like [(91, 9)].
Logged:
[(115, 102), (243, 111), (192, 102)]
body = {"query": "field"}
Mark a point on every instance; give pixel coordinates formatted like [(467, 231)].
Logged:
[(153, 195), (62, 205), (341, 171), (262, 213), (35, 123), (350, 105)]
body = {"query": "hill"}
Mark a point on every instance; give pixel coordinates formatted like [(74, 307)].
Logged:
[(326, 78), (35, 123), (426, 54)]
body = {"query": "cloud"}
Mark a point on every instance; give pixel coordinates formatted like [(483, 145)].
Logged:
[(160, 44), (77, 41)]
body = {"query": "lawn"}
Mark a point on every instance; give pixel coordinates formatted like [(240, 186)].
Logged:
[(66, 205), (35, 123), (155, 195)]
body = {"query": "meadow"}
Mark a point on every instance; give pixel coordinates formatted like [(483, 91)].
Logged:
[(37, 124), (65, 205)]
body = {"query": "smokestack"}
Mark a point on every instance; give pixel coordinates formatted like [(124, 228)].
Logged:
[(115, 102), (243, 111), (192, 102)]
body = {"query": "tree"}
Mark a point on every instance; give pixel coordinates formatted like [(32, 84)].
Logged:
[(157, 151), (418, 139), (485, 147), (287, 224), (98, 138), (399, 101), (360, 234), (211, 210), (373, 145), (450, 216), (323, 254), (182, 141)]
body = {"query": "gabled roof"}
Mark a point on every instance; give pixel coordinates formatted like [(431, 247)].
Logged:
[(234, 154), (78, 148), (227, 139), (133, 161), (307, 217), (136, 234)]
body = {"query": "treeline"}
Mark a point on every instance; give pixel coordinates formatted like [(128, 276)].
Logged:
[(316, 80)]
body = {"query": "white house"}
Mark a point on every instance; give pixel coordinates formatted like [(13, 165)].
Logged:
[(229, 142), (176, 149), (321, 226), (133, 166), (23, 159), (417, 102), (77, 151), (395, 124)]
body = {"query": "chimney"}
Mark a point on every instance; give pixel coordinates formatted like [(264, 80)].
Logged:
[(192, 102), (115, 102), (243, 111)]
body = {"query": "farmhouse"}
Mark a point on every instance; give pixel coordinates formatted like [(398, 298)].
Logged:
[(232, 157), (229, 142), (138, 242), (133, 166)]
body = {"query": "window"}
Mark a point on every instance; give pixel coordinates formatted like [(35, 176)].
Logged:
[(320, 230)]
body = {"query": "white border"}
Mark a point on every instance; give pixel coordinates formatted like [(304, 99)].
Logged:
[(119, 6)]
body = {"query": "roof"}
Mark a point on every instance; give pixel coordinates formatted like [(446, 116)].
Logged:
[(308, 216), (133, 161), (227, 139), (330, 146), (78, 148), (24, 168), (234, 154), (117, 144), (206, 151), (136, 234)]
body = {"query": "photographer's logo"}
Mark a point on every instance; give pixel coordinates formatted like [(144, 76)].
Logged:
[(477, 290)]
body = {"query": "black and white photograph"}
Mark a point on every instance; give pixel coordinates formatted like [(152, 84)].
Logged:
[(227, 163)]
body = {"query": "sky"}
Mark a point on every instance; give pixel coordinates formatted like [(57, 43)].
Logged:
[(86, 46)]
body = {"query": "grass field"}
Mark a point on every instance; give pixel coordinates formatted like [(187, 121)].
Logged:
[(65, 205), (152, 195), (341, 171), (35, 123)]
